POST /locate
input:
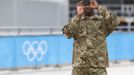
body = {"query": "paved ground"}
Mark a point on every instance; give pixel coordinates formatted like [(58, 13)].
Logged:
[(123, 69)]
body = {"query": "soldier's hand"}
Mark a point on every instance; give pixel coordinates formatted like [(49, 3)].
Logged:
[(80, 9), (93, 4)]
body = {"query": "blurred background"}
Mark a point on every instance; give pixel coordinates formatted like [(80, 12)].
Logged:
[(31, 41)]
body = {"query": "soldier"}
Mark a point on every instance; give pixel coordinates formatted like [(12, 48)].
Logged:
[(89, 32)]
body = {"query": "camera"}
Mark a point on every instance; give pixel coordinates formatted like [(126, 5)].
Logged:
[(86, 2)]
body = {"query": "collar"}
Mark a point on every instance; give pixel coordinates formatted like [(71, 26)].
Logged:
[(91, 17)]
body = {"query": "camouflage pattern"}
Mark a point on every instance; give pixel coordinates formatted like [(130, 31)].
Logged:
[(89, 71), (89, 35)]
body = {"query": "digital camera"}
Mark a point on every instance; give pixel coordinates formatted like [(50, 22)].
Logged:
[(86, 2)]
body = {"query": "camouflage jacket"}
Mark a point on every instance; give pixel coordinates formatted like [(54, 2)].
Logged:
[(89, 35)]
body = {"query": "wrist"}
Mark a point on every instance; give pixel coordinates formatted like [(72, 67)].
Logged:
[(78, 15)]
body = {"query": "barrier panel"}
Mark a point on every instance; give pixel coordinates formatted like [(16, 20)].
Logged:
[(121, 46), (31, 51), (6, 53)]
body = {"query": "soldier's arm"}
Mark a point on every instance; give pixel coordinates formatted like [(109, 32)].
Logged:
[(70, 29), (110, 20)]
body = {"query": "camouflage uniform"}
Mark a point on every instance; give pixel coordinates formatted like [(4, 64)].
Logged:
[(89, 71), (89, 33)]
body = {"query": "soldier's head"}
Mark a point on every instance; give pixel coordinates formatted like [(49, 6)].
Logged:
[(87, 10)]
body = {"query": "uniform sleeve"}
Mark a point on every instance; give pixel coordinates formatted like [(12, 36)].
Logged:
[(110, 20), (70, 29)]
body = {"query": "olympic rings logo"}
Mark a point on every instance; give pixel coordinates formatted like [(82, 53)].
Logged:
[(35, 50)]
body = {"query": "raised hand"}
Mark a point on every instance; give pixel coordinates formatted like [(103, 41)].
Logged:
[(80, 9), (93, 4)]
